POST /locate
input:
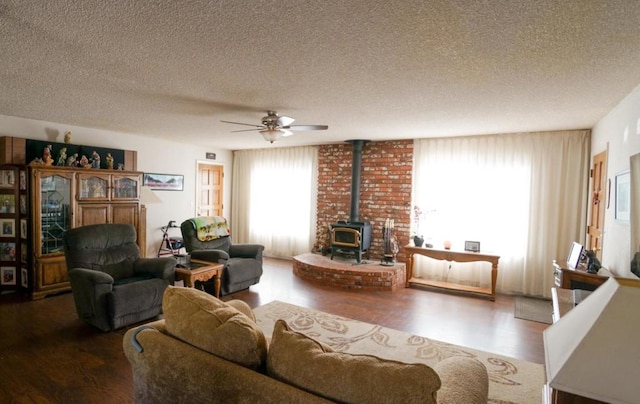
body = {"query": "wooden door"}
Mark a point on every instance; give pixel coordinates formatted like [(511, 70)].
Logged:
[(597, 203), (209, 189)]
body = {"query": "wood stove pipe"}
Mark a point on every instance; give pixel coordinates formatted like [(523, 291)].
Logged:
[(356, 168)]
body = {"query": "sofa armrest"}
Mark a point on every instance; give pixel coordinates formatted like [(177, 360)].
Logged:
[(163, 268), (218, 256), (246, 251), (464, 380)]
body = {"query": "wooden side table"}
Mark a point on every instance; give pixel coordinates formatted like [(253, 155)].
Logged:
[(578, 278), (202, 271)]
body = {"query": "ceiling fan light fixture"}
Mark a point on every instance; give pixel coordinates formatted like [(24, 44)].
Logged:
[(271, 135)]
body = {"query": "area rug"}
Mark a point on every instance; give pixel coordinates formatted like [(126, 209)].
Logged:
[(528, 308), (510, 380)]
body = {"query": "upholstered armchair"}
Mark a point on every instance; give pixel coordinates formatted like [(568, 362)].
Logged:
[(112, 286), (242, 262)]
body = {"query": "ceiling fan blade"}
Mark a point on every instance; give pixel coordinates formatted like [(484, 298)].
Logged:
[(306, 127), (246, 124), (285, 120), (287, 132), (249, 130)]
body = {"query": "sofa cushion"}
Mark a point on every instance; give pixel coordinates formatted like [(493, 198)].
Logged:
[(214, 326), (312, 366)]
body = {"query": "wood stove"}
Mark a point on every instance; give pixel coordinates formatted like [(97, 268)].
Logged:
[(352, 236)]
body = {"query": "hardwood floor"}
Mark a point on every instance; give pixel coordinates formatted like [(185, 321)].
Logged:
[(48, 355)]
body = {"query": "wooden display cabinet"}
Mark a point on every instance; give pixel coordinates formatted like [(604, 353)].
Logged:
[(12, 249), (64, 198), (51, 210), (108, 198)]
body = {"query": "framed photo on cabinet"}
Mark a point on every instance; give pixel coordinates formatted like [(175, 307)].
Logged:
[(23, 180), (7, 203), (23, 228), (7, 228), (7, 275), (7, 179), (24, 277), (7, 251), (23, 204), (23, 253)]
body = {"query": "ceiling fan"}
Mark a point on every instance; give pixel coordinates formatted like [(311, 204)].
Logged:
[(274, 126)]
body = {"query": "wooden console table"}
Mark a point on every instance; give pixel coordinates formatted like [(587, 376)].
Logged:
[(457, 256)]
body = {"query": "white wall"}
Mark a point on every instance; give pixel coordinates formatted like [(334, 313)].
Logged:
[(154, 155), (619, 132)]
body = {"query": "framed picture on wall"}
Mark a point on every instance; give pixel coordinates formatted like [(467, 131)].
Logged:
[(623, 197), (163, 182)]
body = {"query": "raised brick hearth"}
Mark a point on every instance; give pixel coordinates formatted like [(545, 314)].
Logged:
[(347, 274)]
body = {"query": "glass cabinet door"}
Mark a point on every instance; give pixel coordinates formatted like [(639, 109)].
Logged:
[(126, 187), (93, 187), (54, 193)]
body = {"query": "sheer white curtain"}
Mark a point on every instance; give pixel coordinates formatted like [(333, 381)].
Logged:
[(523, 196), (274, 199)]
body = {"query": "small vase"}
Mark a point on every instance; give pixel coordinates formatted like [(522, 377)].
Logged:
[(418, 241)]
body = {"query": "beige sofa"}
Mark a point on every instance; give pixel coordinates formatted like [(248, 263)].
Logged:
[(206, 350)]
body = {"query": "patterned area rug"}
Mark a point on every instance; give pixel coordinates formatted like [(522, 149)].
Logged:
[(510, 380), (528, 308)]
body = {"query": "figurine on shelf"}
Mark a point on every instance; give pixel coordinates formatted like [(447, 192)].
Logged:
[(109, 160), (71, 160), (95, 159), (67, 137), (46, 155), (62, 157), (84, 162)]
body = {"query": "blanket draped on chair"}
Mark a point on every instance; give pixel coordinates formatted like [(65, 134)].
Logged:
[(210, 227)]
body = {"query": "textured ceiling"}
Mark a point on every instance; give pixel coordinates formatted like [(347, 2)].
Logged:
[(368, 69)]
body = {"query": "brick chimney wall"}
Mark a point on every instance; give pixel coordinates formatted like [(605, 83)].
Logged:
[(385, 190)]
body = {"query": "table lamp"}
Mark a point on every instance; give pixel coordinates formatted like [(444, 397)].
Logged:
[(593, 351)]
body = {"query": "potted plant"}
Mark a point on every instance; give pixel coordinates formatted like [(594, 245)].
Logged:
[(418, 216), (418, 238)]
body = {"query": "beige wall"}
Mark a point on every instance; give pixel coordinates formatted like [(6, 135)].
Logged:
[(154, 155), (619, 133)]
